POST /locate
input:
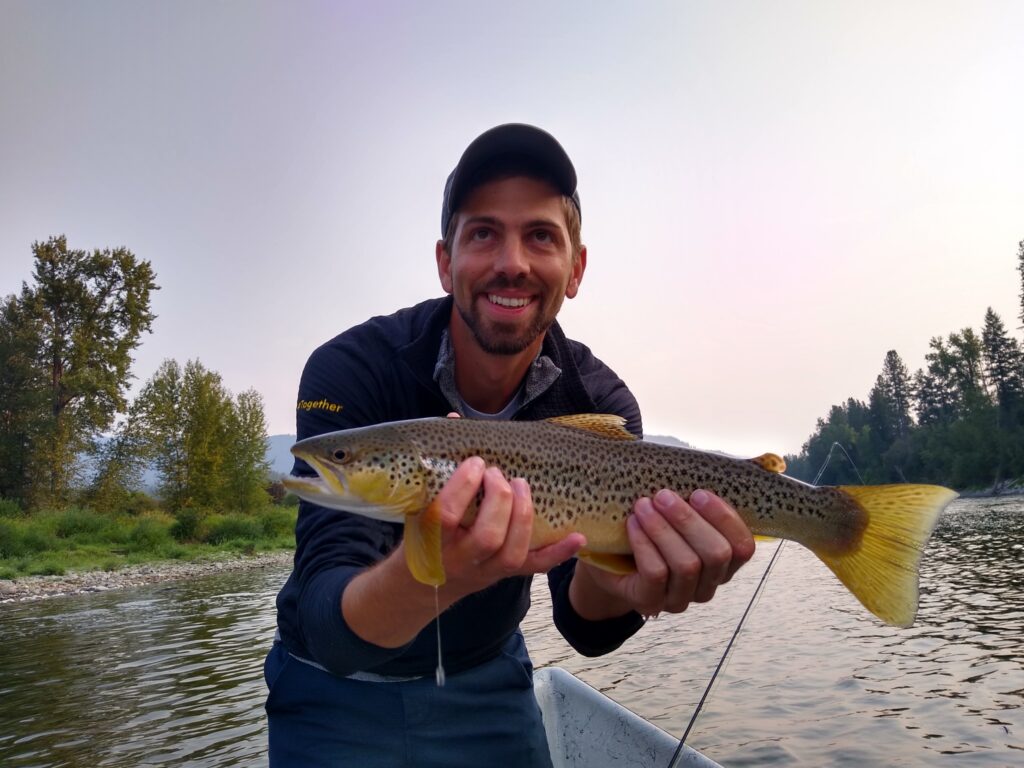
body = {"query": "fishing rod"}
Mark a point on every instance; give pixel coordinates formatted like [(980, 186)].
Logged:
[(678, 754)]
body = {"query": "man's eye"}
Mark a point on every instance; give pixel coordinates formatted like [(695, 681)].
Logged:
[(481, 234), (543, 236)]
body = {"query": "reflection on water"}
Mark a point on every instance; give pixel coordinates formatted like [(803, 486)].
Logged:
[(172, 675), (166, 675)]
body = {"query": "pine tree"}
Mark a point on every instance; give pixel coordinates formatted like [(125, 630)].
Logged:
[(882, 419), (937, 390), (931, 398), (899, 393), (968, 370), (1004, 364), (1020, 268)]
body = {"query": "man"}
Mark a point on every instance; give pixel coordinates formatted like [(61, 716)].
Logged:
[(352, 677)]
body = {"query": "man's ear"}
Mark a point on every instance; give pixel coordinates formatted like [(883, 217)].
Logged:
[(444, 266), (578, 268)]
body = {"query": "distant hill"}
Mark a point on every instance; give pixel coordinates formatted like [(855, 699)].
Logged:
[(278, 454), (666, 440)]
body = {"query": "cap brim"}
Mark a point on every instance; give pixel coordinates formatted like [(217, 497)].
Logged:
[(510, 139)]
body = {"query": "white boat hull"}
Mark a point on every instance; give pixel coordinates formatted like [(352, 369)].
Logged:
[(586, 729)]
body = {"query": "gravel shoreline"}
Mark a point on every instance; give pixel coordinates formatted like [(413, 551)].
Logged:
[(30, 588)]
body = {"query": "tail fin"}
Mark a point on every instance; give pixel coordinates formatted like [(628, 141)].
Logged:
[(883, 571)]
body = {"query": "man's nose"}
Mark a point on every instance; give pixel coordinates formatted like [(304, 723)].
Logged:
[(512, 259)]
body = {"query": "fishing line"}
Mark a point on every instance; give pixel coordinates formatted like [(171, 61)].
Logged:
[(829, 457), (677, 755), (721, 662), (439, 672)]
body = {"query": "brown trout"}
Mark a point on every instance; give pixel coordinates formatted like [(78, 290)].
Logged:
[(585, 472)]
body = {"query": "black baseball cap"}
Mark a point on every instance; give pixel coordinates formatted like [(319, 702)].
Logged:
[(517, 140)]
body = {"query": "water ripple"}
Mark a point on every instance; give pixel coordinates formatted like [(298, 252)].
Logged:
[(815, 680)]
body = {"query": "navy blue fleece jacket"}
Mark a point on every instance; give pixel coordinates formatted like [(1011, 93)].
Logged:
[(383, 370)]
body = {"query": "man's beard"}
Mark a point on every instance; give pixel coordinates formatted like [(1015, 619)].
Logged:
[(503, 338)]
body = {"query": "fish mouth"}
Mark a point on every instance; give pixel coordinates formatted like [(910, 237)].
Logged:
[(330, 478), (330, 490)]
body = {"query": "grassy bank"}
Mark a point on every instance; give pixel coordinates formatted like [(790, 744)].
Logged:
[(53, 543)]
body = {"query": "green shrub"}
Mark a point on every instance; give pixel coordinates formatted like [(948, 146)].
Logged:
[(75, 522), (139, 502), (11, 539), (223, 528), (245, 547), (18, 539), (150, 534), (10, 509), (46, 568), (38, 540), (176, 552), (189, 524), (276, 521)]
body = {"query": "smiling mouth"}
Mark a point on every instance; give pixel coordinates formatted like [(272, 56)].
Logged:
[(509, 302)]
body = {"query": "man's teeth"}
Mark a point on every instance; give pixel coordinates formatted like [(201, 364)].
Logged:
[(505, 301)]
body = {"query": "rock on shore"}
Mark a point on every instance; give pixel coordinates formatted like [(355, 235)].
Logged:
[(41, 587)]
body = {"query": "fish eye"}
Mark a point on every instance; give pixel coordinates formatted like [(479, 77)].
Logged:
[(339, 455)]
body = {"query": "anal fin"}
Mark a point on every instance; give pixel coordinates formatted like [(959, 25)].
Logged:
[(623, 565)]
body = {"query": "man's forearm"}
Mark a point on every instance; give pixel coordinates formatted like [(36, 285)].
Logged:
[(386, 606)]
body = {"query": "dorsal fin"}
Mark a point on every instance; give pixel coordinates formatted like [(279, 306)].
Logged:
[(770, 462), (604, 424)]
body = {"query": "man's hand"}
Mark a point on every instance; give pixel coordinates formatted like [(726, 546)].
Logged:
[(496, 544), (386, 606), (684, 551)]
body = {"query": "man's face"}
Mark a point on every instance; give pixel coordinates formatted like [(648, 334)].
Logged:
[(511, 263)]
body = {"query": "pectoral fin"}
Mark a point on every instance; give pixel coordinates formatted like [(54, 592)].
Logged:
[(423, 546), (623, 565)]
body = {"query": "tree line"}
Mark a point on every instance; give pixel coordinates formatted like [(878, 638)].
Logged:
[(68, 433), (958, 421)]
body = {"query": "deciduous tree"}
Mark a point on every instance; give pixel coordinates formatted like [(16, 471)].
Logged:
[(208, 448), (83, 316)]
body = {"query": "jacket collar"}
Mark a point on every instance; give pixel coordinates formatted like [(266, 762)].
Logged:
[(430, 358)]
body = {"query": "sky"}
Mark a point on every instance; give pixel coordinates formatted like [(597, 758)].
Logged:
[(774, 194)]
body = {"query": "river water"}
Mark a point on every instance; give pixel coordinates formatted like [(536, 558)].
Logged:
[(171, 675)]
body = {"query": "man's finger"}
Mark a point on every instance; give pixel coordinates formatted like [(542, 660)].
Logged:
[(649, 562), (543, 559), (460, 490), (520, 528), (490, 529), (648, 588), (727, 522), (699, 552)]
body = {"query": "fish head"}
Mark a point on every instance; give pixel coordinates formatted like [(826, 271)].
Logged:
[(371, 471)]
